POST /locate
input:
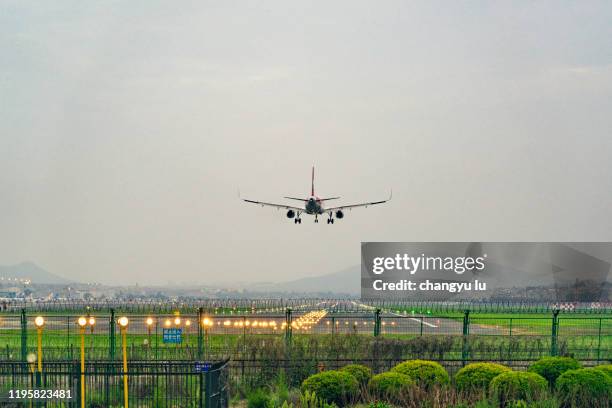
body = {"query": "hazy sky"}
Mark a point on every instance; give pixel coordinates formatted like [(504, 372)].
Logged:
[(126, 129)]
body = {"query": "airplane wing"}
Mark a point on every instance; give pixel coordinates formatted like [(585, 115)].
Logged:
[(349, 206), (277, 206)]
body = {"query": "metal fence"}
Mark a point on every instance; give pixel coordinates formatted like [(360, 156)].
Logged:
[(168, 384), (263, 305), (463, 335), (260, 345)]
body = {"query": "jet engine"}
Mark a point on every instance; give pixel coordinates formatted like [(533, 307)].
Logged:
[(290, 214), (339, 214)]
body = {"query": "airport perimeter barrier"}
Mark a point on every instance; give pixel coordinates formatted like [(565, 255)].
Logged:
[(316, 334), (272, 305), (157, 384)]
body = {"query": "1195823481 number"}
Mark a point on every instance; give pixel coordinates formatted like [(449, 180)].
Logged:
[(25, 394)]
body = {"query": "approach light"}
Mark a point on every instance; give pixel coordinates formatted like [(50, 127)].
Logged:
[(123, 321), (82, 321), (149, 321), (39, 321)]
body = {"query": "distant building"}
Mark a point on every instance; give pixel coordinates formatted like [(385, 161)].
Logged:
[(10, 293)]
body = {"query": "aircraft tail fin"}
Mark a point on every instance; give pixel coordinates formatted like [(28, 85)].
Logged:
[(312, 183)]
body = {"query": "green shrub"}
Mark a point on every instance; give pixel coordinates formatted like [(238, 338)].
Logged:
[(389, 384), (516, 385), (424, 373), (478, 376), (258, 399), (379, 404), (606, 368), (585, 387), (332, 386), (484, 404), (310, 400), (544, 403), (552, 367), (361, 373)]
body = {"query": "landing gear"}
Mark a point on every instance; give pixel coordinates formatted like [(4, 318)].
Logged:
[(297, 219), (316, 218), (330, 220)]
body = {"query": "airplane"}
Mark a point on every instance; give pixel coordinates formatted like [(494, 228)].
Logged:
[(314, 205)]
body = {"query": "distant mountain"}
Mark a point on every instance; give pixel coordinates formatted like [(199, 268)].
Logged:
[(347, 282), (29, 270)]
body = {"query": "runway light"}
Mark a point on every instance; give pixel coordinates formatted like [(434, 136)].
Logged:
[(39, 321), (92, 321), (123, 321), (187, 323), (167, 322), (149, 321), (177, 321), (82, 321)]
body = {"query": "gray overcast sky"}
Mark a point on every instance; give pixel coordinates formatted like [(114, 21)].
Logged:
[(126, 129)]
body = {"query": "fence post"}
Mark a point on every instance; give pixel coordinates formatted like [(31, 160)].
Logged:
[(554, 347), (111, 338), (67, 331), (599, 342), (202, 395), (200, 314), (157, 339), (377, 323), (24, 336), (466, 332), (288, 329)]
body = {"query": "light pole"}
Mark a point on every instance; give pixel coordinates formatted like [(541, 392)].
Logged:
[(123, 324), (82, 323), (92, 323), (177, 323), (149, 322), (206, 324), (187, 326), (39, 322)]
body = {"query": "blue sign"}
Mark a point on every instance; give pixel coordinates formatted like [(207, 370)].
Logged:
[(174, 336), (202, 366)]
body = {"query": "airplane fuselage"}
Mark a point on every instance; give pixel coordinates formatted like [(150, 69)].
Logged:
[(313, 206)]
